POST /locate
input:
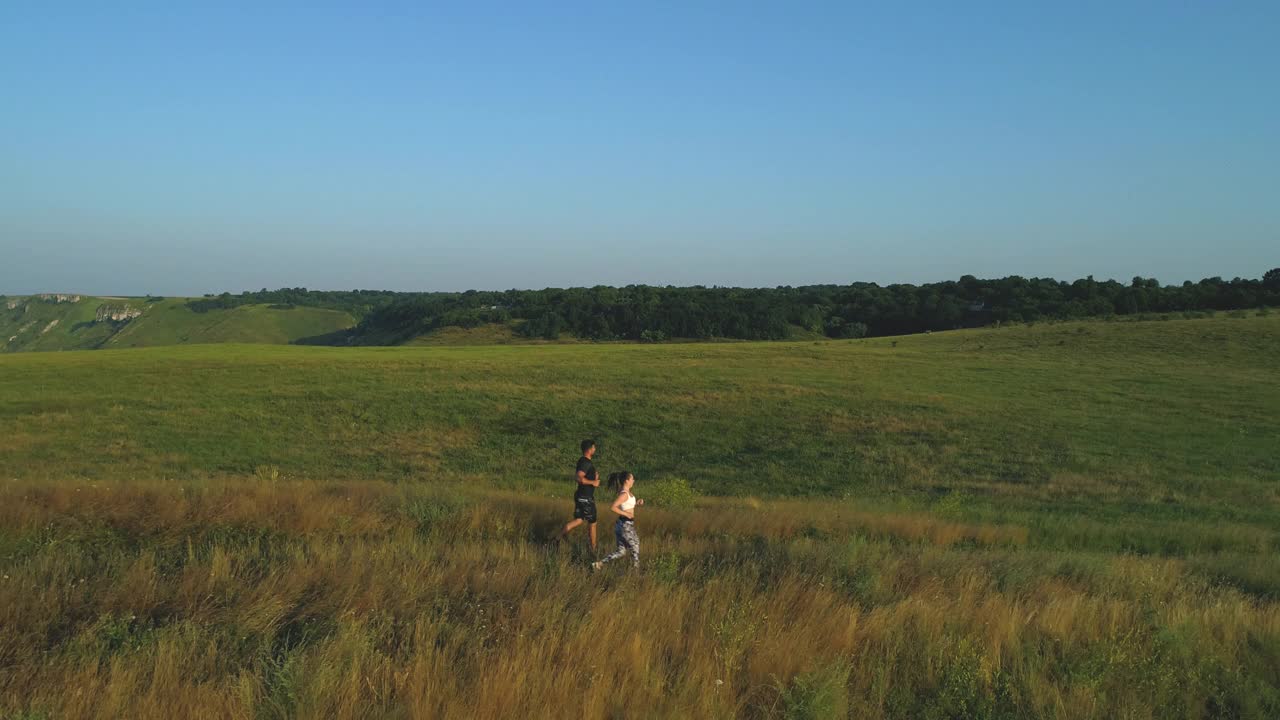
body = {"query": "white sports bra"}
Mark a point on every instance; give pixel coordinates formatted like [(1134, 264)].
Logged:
[(630, 503)]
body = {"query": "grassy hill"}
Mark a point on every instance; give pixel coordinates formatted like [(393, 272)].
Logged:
[(1134, 409), (1070, 520), (76, 322)]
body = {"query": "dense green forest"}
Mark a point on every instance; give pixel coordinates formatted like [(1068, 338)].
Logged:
[(647, 313)]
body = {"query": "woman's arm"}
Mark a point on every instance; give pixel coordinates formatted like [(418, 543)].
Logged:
[(616, 507)]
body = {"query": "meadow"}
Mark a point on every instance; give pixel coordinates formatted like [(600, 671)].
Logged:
[(1077, 520)]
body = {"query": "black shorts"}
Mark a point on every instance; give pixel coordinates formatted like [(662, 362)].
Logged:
[(585, 509)]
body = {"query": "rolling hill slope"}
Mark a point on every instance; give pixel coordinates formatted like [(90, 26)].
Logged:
[(79, 322), (1157, 413)]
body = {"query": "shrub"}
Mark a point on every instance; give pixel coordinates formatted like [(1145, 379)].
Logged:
[(670, 494), (817, 695), (952, 504), (435, 514), (665, 567)]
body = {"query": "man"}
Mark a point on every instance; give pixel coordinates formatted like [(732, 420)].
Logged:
[(584, 497)]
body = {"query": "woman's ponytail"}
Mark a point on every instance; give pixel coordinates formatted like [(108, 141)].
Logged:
[(618, 480)]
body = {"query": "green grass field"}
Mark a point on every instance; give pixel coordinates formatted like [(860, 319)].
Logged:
[(1068, 520)]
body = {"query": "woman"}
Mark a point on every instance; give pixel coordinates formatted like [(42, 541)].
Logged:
[(625, 529)]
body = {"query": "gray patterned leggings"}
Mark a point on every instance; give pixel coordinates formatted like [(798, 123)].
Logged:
[(628, 540)]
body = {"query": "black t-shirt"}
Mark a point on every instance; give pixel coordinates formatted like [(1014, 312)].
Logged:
[(585, 467)]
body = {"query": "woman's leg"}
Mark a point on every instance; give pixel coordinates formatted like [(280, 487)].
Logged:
[(633, 543), (619, 534), (628, 541)]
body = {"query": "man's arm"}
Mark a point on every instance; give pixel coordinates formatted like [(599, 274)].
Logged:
[(582, 479)]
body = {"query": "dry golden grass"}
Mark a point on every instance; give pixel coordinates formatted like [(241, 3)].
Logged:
[(366, 600)]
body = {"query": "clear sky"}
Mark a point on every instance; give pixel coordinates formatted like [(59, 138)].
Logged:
[(181, 150)]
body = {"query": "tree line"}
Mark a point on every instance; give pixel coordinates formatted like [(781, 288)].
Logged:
[(649, 313), (357, 302)]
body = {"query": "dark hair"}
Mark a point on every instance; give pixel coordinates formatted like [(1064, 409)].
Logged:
[(588, 444), (618, 479)]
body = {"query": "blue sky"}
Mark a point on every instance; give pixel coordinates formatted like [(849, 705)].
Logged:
[(181, 150)]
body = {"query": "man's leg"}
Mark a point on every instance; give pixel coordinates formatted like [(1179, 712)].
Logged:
[(592, 528), (575, 523)]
